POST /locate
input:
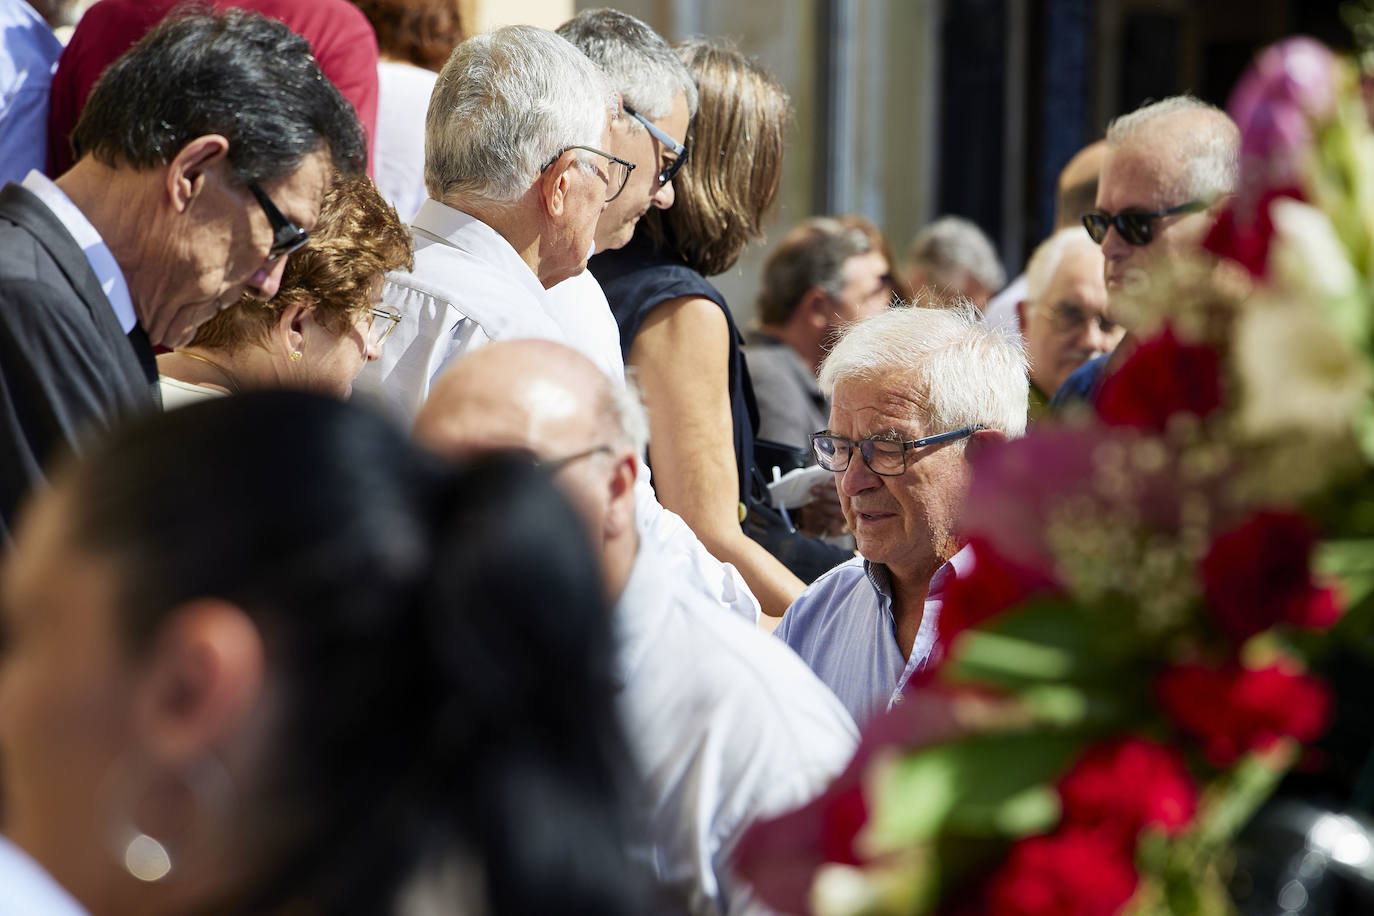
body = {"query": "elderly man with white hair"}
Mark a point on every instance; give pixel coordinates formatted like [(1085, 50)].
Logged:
[(724, 724), (915, 394), (1166, 175), (1064, 320), (517, 174)]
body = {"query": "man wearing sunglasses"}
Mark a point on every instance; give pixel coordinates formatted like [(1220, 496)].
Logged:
[(177, 205), (1168, 170), (915, 394)]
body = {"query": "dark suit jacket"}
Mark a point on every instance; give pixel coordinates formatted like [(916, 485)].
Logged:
[(66, 366)]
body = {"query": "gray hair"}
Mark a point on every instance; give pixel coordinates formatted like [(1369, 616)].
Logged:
[(1206, 155), (966, 371), (636, 60), (953, 245), (506, 103), (623, 409), (811, 256), (1046, 257)]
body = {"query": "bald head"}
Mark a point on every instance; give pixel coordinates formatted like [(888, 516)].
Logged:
[(548, 400), (1077, 190)]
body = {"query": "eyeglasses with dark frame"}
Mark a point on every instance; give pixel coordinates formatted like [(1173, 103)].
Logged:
[(617, 171), (884, 457), (1136, 228), (665, 174), (286, 235)]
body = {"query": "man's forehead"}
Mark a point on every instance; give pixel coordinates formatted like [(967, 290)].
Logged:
[(1137, 175), (864, 407)]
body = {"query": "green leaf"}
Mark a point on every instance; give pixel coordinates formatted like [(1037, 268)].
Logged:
[(986, 785)]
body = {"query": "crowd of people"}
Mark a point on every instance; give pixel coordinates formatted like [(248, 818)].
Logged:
[(385, 488)]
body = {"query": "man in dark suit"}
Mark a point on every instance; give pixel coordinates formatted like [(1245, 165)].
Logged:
[(201, 160)]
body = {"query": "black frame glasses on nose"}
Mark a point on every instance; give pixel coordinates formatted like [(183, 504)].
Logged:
[(833, 453), (286, 235), (666, 174), (1136, 228), (610, 172)]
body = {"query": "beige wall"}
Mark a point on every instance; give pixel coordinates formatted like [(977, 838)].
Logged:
[(485, 15)]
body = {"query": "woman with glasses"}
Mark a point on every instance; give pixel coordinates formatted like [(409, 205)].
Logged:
[(676, 329), (217, 700), (325, 323)]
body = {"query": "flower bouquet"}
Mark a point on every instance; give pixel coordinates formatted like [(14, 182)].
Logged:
[(1137, 658)]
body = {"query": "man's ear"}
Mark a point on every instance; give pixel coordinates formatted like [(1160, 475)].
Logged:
[(556, 183), (205, 676), (814, 308), (189, 168), (984, 440), (1021, 317), (620, 516)]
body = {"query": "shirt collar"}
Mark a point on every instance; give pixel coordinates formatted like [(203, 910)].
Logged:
[(97, 253), (26, 888), (457, 229)]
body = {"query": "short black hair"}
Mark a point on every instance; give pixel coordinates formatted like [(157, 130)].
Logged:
[(235, 73)]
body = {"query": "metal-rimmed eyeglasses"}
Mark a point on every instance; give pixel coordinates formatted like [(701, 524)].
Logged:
[(884, 457), (665, 174), (617, 170), (381, 322), (554, 465), (286, 235), (1135, 227)]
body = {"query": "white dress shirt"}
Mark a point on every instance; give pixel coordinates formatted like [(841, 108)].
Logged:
[(398, 159), (726, 726), (27, 890)]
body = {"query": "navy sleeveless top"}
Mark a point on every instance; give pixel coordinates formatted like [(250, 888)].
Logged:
[(637, 279)]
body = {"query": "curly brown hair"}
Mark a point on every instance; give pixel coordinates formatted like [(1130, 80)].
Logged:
[(357, 240), (736, 142), (419, 32)]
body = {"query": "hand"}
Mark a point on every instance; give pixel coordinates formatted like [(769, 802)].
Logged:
[(822, 517)]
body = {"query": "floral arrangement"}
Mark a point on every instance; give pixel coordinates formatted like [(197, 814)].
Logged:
[(1133, 663)]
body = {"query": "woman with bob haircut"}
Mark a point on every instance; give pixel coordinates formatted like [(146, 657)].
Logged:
[(676, 329), (325, 322), (222, 696)]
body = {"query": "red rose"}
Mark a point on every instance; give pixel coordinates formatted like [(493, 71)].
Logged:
[(1233, 710), (1259, 575), (990, 584), (841, 821), (1072, 873), (1161, 378), (1244, 230), (1123, 786)]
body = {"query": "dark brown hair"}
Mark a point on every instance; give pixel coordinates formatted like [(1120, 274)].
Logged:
[(359, 238), (736, 142)]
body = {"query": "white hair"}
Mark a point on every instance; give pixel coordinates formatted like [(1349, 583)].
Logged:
[(966, 371), (1045, 260), (506, 103), (637, 62), (623, 409), (1206, 152), (953, 245)]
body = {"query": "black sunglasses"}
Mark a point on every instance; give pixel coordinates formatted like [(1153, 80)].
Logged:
[(666, 174), (1136, 228), (286, 236)]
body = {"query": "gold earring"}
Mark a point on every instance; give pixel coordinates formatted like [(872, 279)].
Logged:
[(295, 356)]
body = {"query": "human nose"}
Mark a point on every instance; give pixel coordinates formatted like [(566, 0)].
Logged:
[(267, 280), (663, 198), (1114, 246), (857, 477)]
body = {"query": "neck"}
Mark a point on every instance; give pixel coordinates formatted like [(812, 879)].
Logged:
[(519, 225), (910, 589), (120, 204), (805, 343), (233, 371), (618, 561)]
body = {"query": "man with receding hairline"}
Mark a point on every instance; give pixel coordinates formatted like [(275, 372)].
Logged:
[(725, 724)]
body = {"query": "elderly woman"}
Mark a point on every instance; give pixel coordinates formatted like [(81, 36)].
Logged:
[(326, 320), (227, 693), (676, 329)]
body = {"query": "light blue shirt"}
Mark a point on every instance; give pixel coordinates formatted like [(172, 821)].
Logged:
[(26, 68), (27, 890), (844, 628)]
